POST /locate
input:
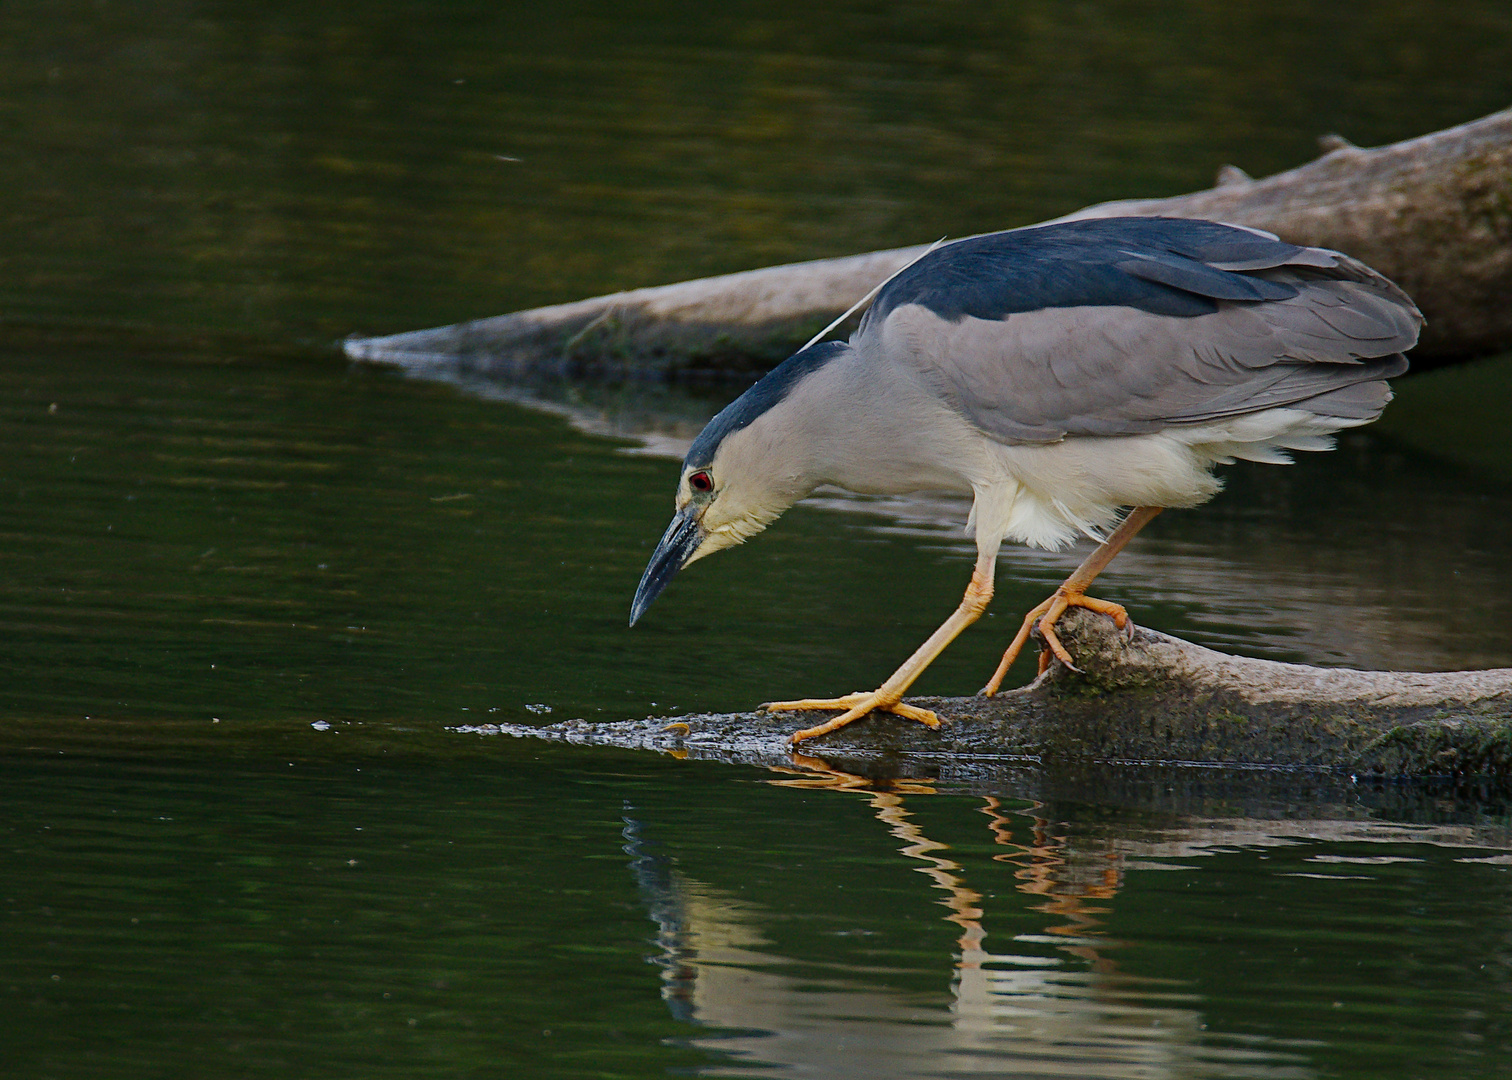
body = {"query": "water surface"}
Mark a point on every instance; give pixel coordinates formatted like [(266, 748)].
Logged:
[(251, 595), (526, 911)]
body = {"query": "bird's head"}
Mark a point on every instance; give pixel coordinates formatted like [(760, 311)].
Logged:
[(751, 462)]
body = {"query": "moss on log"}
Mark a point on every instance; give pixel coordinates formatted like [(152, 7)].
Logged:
[(1151, 699), (1433, 213)]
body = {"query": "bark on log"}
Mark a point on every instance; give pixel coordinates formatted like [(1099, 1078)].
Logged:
[(1433, 213), (1153, 699)]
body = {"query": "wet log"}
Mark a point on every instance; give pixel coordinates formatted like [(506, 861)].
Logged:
[(1152, 699), (1434, 213)]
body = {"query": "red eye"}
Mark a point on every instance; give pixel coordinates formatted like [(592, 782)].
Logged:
[(702, 482)]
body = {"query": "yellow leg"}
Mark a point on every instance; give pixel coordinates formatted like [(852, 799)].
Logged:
[(1073, 593), (889, 696)]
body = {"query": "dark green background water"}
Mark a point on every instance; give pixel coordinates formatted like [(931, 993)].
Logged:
[(249, 592)]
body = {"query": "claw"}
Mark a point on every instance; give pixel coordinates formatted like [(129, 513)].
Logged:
[(1072, 593), (1041, 621), (1053, 644)]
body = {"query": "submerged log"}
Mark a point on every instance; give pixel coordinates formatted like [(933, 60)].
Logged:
[(1434, 213), (1152, 699)]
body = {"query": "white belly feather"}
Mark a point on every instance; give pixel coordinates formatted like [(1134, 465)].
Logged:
[(1046, 495)]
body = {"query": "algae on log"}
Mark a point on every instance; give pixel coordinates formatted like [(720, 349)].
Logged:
[(1151, 699), (1433, 213)]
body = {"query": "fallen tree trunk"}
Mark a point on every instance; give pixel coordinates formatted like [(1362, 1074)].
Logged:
[(1153, 699), (1433, 213)]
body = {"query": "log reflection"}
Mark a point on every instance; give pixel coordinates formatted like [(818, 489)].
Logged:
[(1378, 555)]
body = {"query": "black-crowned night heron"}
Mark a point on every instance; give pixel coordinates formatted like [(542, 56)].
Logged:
[(1058, 374)]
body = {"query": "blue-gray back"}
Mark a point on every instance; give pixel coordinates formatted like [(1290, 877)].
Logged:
[(1166, 266), (1130, 325)]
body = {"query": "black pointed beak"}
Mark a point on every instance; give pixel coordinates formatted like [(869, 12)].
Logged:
[(677, 546)]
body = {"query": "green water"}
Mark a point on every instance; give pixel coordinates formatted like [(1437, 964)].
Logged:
[(250, 594)]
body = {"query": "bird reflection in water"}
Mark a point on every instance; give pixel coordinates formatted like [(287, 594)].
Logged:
[(1043, 866), (1061, 1006)]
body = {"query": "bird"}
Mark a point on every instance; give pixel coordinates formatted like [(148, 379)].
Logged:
[(1075, 379)]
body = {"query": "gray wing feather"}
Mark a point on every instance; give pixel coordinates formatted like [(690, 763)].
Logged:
[(1202, 279), (1334, 332)]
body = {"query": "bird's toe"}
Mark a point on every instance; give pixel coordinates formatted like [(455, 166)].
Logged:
[(849, 701)]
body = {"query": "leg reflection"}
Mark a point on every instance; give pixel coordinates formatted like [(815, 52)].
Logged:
[(1046, 1001)]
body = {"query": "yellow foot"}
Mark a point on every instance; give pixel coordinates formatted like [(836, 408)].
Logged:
[(854, 707), (1045, 616)]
